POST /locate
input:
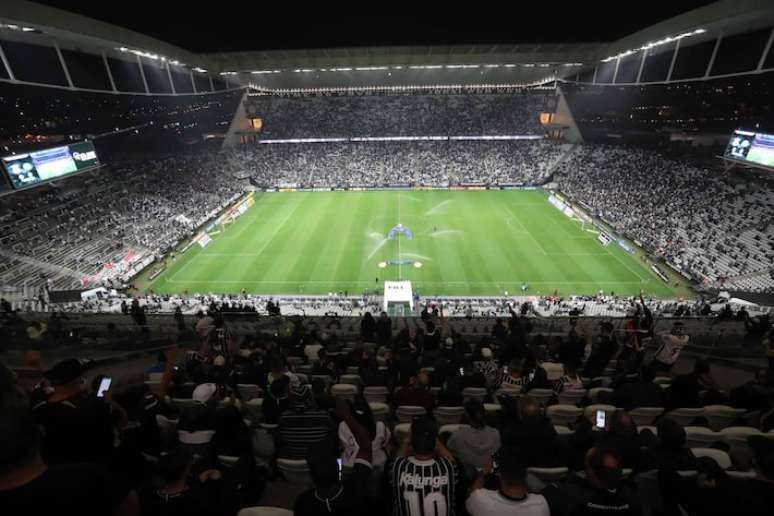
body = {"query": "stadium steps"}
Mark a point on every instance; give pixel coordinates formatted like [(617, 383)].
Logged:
[(41, 265)]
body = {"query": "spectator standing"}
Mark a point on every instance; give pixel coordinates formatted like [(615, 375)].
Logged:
[(302, 425)]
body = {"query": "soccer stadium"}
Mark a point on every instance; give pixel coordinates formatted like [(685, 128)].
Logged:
[(461, 264)]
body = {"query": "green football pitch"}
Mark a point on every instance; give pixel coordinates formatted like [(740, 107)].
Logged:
[(465, 243)]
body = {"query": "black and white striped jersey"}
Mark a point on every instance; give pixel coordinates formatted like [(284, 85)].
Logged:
[(423, 487)]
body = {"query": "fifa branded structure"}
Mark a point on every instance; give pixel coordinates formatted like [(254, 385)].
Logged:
[(390, 174)]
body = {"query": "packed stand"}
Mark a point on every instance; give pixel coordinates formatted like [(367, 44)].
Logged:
[(130, 211), (591, 422), (399, 115), (695, 219), (415, 163)]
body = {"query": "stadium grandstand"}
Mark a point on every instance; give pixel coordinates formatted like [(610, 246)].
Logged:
[(288, 267)]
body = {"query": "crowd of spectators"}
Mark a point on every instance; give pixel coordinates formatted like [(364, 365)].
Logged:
[(399, 115), (711, 228), (512, 423), (407, 163), (87, 229)]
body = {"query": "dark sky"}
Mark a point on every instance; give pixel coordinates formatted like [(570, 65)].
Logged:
[(229, 25)]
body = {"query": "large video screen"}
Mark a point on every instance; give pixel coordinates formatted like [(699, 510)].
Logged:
[(26, 170), (754, 148)]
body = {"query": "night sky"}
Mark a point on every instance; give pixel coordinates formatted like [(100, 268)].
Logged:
[(249, 25)]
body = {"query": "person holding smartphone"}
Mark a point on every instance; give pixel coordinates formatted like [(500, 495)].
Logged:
[(78, 427), (331, 495)]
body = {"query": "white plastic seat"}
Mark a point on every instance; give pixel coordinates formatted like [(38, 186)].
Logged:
[(541, 396), (448, 415), (407, 413), (563, 414), (562, 430), (736, 436), (700, 437), (379, 410), (645, 415), (572, 396), (295, 471), (249, 390), (376, 394), (684, 416), (353, 379), (549, 474), (721, 416), (719, 456), (402, 431), (642, 428), (228, 461), (474, 393), (553, 370), (450, 429), (595, 393), (742, 474), (344, 391)]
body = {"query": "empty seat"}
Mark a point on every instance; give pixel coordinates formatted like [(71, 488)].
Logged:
[(376, 394), (549, 474), (721, 457), (700, 437), (684, 416), (248, 391), (736, 436), (407, 413), (353, 379), (449, 415), (572, 396), (474, 393), (553, 370), (344, 391), (721, 416), (596, 392), (563, 415), (295, 471), (402, 432), (450, 429), (379, 410), (541, 396), (645, 415)]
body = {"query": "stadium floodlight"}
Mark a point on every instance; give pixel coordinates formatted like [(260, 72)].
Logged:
[(649, 45), (27, 29), (201, 70)]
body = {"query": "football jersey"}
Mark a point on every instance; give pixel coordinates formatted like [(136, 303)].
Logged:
[(423, 487)]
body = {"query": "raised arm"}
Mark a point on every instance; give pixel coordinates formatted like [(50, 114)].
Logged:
[(362, 438)]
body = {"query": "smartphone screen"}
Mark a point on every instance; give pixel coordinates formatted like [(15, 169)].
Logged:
[(338, 461), (601, 419), (462, 371), (505, 369), (531, 376), (104, 385)]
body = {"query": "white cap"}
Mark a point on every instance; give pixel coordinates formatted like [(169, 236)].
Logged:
[(486, 352), (204, 392)]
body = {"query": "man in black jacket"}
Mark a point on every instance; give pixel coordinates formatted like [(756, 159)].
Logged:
[(600, 493)]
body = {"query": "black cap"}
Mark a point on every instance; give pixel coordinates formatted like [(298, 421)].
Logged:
[(65, 371)]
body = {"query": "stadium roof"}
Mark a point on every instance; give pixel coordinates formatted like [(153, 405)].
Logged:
[(449, 64)]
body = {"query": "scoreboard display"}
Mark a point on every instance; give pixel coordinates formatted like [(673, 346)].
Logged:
[(752, 148), (34, 168)]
